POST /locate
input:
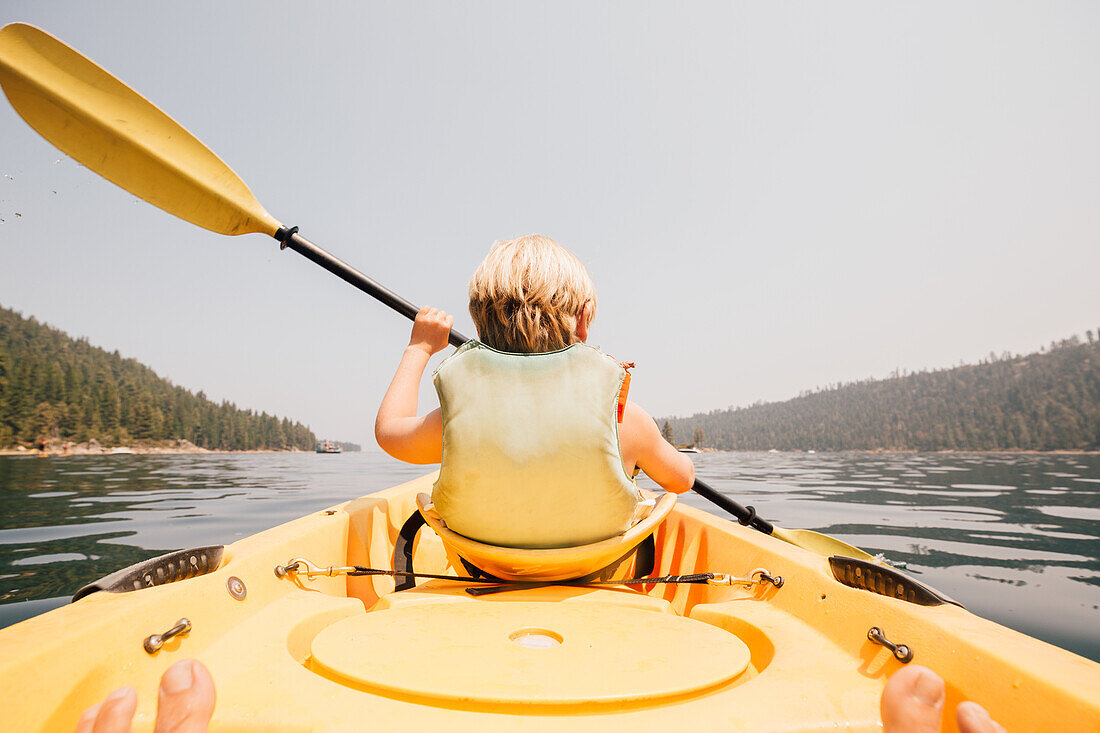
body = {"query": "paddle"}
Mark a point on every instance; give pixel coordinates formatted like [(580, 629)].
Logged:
[(114, 131), (807, 539)]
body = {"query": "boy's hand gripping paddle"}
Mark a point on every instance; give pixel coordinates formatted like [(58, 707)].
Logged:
[(111, 129)]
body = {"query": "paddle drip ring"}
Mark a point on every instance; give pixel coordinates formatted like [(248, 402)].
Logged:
[(284, 234), (749, 518)]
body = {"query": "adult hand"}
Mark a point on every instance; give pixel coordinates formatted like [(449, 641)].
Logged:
[(912, 702), (431, 330), (185, 702)]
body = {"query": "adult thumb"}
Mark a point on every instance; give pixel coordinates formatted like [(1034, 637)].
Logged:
[(185, 699), (912, 701)]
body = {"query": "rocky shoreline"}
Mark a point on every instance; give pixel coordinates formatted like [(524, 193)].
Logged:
[(94, 448)]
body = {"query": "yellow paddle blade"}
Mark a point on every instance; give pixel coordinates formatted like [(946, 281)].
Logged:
[(822, 544), (114, 131)]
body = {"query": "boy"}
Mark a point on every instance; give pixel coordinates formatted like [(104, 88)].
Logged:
[(536, 454)]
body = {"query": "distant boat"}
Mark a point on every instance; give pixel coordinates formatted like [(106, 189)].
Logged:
[(689, 449), (327, 446)]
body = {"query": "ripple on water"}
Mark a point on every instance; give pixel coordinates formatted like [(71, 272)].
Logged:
[(968, 493), (998, 487), (47, 559), (1010, 581), (1073, 512)]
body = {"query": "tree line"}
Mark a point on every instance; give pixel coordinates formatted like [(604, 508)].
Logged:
[(54, 387), (1048, 400)]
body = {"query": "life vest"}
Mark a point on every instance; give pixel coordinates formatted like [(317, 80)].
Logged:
[(531, 447)]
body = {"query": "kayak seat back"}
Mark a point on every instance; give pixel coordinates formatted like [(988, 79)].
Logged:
[(559, 563)]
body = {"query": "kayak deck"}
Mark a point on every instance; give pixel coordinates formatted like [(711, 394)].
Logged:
[(550, 652), (348, 652)]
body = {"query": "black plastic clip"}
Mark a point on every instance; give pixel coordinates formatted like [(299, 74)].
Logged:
[(283, 234)]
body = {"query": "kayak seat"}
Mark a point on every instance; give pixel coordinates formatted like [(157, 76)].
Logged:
[(562, 563)]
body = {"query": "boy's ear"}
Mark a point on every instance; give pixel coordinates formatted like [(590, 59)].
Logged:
[(582, 322)]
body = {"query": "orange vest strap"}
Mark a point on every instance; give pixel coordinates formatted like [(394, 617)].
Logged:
[(625, 389)]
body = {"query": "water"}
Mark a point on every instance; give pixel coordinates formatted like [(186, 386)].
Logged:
[(1014, 537)]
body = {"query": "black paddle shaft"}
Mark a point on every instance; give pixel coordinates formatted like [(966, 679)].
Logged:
[(290, 239), (745, 515)]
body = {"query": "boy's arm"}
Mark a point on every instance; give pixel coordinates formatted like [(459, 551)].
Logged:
[(672, 470), (398, 429)]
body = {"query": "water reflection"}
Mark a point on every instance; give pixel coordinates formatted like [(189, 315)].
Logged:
[(1013, 537), (68, 521)]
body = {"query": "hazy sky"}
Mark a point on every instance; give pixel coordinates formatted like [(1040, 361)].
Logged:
[(770, 196)]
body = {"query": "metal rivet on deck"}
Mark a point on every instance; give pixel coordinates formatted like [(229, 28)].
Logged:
[(236, 588)]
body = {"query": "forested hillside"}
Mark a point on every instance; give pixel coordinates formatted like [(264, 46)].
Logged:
[(1044, 401), (56, 387)]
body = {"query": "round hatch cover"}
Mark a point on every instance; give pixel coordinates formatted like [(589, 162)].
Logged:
[(518, 653)]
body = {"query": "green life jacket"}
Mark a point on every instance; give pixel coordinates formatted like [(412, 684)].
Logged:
[(531, 447)]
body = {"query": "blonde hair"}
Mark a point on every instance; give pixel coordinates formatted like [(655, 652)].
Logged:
[(526, 295)]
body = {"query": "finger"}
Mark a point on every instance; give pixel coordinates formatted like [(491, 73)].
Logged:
[(185, 700), (973, 718), (912, 701), (87, 719), (116, 712)]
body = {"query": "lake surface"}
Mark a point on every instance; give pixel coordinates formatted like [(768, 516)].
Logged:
[(1014, 537)]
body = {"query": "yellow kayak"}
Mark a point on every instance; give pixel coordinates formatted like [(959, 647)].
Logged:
[(771, 638)]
